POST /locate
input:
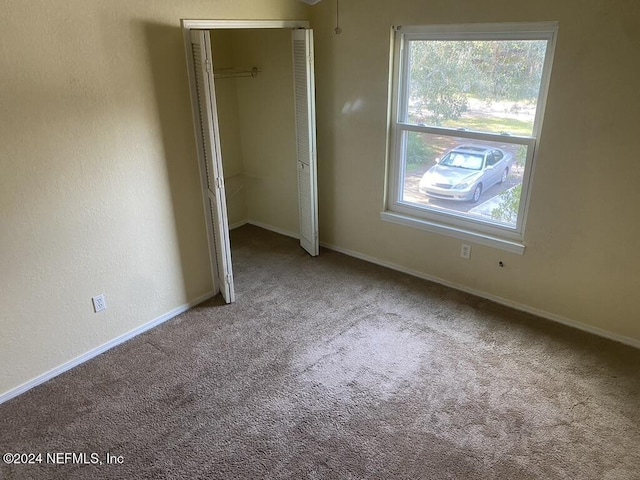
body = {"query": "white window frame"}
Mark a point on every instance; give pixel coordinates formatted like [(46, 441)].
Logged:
[(451, 224)]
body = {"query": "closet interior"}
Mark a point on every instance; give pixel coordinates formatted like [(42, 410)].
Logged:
[(253, 71)]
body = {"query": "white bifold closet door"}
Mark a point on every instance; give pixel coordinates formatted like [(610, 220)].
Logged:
[(210, 160), (303, 76)]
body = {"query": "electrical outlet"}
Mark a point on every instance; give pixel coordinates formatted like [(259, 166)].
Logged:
[(465, 251), (99, 303)]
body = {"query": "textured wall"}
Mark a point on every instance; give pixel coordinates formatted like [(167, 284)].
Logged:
[(581, 263), (99, 187)]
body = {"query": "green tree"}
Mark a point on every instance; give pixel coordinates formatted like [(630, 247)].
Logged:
[(417, 151), (439, 76), (507, 209), (509, 70), (443, 75)]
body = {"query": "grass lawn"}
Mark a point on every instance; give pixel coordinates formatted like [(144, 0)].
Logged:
[(511, 126)]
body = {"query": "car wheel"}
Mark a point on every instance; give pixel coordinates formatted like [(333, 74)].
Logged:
[(505, 174), (476, 193)]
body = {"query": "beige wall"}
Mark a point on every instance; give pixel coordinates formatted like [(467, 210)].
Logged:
[(99, 187), (581, 263)]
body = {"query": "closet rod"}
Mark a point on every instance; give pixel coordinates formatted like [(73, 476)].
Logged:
[(236, 72)]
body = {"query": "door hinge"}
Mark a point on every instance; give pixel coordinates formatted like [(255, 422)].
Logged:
[(229, 279), (207, 64), (219, 182)]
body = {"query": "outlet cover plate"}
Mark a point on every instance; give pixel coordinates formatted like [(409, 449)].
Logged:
[(99, 303)]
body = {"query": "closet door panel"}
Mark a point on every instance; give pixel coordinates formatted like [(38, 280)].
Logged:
[(210, 161), (304, 86)]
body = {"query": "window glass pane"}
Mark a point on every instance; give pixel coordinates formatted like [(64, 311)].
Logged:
[(474, 179), (485, 85)]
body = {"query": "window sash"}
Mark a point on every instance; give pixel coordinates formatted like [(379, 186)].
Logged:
[(452, 218)]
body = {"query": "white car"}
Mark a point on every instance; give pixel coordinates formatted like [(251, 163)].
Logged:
[(465, 172)]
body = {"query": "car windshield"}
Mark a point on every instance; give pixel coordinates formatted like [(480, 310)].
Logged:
[(469, 161)]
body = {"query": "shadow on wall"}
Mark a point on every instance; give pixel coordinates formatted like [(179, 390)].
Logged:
[(165, 46), (327, 133)]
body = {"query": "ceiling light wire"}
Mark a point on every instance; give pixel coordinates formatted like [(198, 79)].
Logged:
[(338, 30)]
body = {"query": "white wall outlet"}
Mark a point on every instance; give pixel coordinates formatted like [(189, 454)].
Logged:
[(465, 251), (99, 303)]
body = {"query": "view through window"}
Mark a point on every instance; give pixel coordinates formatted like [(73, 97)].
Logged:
[(467, 122)]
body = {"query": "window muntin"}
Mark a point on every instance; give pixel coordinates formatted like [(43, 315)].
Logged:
[(459, 88)]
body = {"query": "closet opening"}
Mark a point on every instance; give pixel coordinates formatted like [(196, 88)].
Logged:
[(253, 102)]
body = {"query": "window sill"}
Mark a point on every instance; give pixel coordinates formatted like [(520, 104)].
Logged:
[(456, 232)]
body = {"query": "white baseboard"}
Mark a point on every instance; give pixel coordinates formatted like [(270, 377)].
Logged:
[(503, 301), (274, 229), (101, 349), (237, 225), (271, 228)]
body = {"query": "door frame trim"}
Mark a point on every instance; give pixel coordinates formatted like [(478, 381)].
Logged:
[(190, 24)]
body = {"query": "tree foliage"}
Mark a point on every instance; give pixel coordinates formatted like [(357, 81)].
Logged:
[(417, 151), (443, 75), (507, 209)]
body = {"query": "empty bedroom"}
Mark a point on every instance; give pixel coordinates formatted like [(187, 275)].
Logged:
[(355, 239)]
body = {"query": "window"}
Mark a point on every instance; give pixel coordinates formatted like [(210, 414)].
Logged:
[(467, 108)]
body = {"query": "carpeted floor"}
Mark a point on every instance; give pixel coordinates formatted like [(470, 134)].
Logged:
[(331, 367)]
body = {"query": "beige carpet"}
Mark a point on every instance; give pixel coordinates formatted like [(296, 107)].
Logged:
[(330, 367)]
